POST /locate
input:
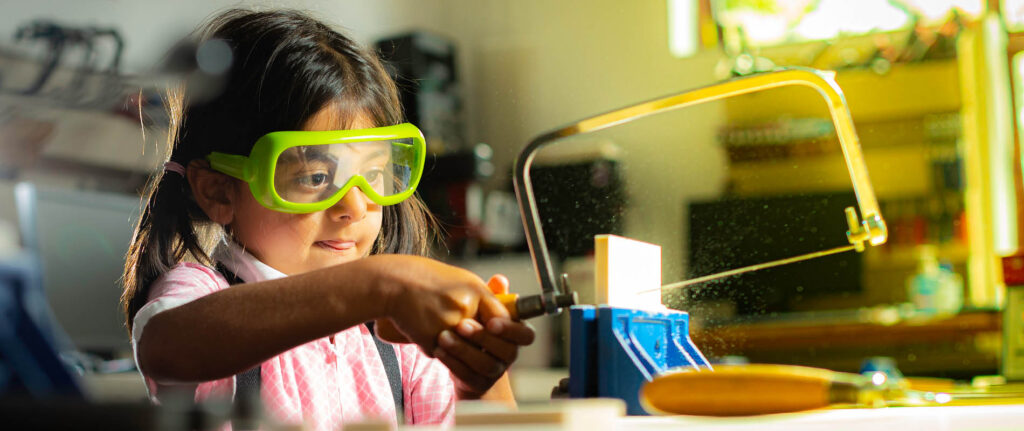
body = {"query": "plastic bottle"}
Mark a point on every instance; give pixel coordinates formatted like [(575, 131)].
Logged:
[(950, 297), (923, 285), (935, 288)]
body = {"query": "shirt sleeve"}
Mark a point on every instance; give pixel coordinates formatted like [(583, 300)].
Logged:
[(181, 285), (428, 388)]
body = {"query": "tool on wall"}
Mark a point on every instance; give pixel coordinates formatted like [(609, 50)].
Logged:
[(59, 40)]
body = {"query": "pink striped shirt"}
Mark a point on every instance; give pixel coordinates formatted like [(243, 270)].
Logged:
[(320, 383)]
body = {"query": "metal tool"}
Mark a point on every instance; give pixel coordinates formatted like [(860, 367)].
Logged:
[(857, 236), (869, 230), (743, 390), (750, 268), (525, 307), (615, 351)]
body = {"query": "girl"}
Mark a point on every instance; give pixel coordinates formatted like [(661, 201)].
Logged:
[(301, 173)]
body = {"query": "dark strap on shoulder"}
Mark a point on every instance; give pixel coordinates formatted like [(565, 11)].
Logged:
[(247, 400), (393, 370), (228, 274), (247, 383)]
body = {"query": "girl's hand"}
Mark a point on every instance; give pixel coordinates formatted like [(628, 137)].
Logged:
[(478, 356), (423, 297)]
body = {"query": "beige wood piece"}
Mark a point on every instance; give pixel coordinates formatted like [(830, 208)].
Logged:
[(623, 268), (584, 414)]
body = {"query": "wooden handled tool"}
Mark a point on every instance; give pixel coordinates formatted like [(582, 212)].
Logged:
[(742, 390), (739, 390)]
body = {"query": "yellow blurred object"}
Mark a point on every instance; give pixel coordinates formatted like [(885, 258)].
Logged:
[(933, 384), (498, 284), (509, 301), (741, 390), (744, 390)]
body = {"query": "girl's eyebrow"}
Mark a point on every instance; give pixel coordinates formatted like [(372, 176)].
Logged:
[(378, 153), (372, 149), (322, 156), (311, 156)]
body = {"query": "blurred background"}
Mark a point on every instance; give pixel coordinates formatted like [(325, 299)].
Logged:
[(934, 87)]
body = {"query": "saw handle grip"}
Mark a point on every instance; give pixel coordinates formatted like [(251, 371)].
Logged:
[(498, 284)]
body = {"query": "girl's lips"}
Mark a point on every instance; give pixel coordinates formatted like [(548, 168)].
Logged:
[(336, 245)]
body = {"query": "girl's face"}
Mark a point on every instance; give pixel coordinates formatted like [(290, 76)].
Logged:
[(297, 243)]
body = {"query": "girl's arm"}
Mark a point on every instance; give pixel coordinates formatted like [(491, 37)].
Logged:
[(500, 392), (229, 331)]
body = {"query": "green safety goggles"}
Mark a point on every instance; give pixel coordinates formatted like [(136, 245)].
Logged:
[(306, 171)]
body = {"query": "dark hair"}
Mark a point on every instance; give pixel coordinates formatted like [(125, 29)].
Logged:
[(286, 67)]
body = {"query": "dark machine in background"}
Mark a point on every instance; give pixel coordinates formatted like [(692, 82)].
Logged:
[(452, 191), (737, 232), (578, 200), (423, 66)]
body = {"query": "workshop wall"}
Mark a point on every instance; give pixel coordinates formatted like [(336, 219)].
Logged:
[(525, 66), (528, 66)]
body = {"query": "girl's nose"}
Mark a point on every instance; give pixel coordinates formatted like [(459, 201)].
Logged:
[(352, 206)]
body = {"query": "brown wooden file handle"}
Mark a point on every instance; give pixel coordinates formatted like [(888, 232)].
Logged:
[(740, 390)]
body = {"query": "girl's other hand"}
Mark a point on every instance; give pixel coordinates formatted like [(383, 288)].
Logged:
[(479, 355), (423, 297)]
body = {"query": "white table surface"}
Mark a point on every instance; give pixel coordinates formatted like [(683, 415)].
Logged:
[(998, 417)]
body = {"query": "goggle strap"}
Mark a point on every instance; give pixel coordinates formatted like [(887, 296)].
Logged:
[(231, 164)]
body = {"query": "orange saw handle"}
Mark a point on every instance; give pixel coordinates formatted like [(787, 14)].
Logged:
[(498, 285)]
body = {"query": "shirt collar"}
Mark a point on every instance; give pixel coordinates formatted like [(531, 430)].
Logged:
[(246, 266)]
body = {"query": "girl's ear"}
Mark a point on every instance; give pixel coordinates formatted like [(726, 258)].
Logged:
[(213, 191)]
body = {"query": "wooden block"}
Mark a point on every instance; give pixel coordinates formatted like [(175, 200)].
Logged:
[(623, 268), (585, 414)]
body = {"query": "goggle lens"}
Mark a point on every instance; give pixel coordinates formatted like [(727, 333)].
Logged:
[(315, 173)]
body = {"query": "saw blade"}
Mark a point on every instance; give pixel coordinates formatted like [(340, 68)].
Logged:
[(750, 268)]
